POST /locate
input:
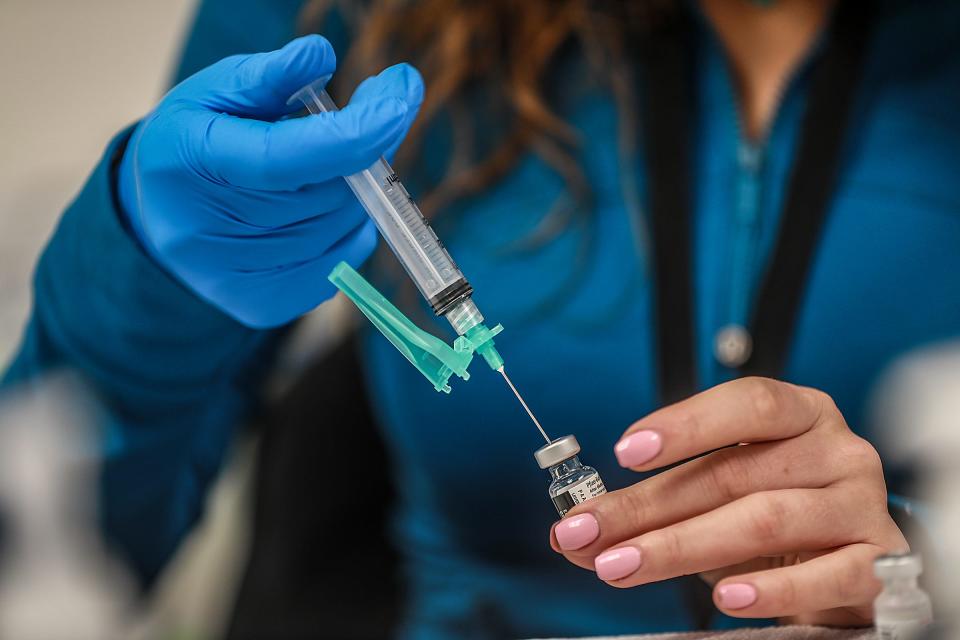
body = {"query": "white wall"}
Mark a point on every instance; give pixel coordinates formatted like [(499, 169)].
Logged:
[(72, 73)]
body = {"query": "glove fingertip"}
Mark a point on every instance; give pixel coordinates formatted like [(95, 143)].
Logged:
[(310, 56), (404, 81), (298, 63), (401, 80), (367, 131)]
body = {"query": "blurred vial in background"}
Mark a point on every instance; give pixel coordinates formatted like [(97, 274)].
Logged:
[(916, 408), (903, 610), (57, 579)]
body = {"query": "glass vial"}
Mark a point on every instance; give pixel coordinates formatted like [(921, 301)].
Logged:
[(572, 482), (902, 610)]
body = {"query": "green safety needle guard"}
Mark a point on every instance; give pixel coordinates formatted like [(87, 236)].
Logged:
[(435, 359)]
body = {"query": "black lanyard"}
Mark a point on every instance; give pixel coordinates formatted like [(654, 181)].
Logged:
[(666, 68), (667, 79)]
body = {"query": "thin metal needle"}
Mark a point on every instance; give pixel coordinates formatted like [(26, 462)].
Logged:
[(526, 408)]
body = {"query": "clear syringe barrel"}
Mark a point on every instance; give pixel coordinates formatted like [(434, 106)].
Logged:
[(404, 228)]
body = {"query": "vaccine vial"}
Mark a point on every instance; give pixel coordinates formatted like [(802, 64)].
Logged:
[(902, 610), (572, 482)]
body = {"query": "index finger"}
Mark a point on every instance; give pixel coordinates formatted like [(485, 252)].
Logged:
[(290, 154), (743, 410)]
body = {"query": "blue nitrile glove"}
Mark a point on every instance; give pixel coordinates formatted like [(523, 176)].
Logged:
[(251, 211)]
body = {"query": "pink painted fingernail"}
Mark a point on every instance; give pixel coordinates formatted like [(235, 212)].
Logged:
[(737, 596), (638, 448), (576, 532), (618, 563)]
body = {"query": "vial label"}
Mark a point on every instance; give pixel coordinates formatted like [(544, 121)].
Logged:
[(900, 630), (580, 492)]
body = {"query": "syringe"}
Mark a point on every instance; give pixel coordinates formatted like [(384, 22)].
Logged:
[(405, 229), (415, 243)]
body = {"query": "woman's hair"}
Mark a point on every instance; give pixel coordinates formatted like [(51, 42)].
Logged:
[(500, 52)]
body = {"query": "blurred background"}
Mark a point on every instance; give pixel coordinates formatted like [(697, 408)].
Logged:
[(73, 73)]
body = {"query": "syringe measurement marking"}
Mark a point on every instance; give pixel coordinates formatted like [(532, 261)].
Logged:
[(412, 226), (526, 408), (411, 239), (430, 243), (407, 211)]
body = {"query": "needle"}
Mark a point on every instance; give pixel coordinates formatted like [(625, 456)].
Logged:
[(529, 413)]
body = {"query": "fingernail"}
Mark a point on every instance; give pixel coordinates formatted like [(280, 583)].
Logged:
[(737, 596), (618, 563), (638, 448), (576, 532)]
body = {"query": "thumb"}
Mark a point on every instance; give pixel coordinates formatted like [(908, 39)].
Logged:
[(402, 81), (258, 85)]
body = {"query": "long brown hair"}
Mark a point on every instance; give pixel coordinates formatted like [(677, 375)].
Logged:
[(506, 47)]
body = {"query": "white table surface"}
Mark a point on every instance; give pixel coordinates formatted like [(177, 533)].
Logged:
[(766, 633)]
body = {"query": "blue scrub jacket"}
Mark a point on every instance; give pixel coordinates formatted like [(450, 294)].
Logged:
[(176, 377)]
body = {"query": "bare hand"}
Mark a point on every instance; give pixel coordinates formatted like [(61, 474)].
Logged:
[(785, 525)]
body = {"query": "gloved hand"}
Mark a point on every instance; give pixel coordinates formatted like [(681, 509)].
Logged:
[(250, 211)]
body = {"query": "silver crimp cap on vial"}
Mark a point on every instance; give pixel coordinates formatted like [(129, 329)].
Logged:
[(561, 449)]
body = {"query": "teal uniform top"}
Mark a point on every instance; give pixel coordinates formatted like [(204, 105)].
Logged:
[(176, 377)]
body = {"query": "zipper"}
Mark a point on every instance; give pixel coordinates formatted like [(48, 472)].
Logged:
[(733, 343), (745, 234)]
